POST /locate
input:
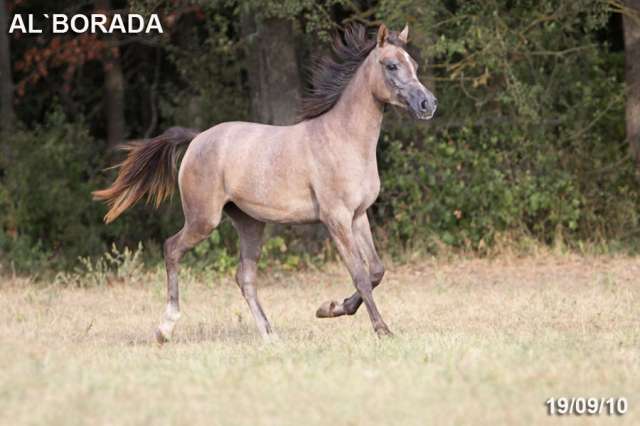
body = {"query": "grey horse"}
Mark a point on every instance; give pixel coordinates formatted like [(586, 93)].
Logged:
[(322, 169)]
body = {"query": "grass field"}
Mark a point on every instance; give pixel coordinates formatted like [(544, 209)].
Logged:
[(477, 342)]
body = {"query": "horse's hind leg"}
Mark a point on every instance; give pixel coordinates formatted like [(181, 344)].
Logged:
[(350, 305), (194, 231), (250, 232)]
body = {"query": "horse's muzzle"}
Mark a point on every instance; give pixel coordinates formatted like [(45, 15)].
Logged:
[(422, 104)]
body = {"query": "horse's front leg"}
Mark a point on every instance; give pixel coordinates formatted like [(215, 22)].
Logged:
[(350, 305), (345, 233)]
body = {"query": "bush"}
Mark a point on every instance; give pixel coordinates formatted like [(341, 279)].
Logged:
[(465, 187), (528, 139), (46, 193)]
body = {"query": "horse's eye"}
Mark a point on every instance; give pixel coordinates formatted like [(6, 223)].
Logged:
[(392, 67)]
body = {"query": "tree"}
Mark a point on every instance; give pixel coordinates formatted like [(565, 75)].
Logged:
[(7, 115), (631, 23), (113, 88), (272, 66)]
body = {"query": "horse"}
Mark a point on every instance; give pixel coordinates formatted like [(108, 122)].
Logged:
[(322, 169)]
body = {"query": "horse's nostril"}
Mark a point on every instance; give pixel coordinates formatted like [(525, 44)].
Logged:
[(424, 105)]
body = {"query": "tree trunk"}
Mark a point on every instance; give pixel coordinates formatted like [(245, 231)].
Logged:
[(186, 38), (273, 73), (274, 81), (7, 115), (114, 101), (113, 89), (631, 23)]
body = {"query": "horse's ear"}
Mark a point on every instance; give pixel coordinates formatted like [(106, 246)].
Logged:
[(382, 35), (404, 34)]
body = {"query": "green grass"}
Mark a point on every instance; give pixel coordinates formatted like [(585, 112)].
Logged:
[(477, 342)]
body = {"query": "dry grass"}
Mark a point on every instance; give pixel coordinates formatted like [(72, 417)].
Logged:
[(478, 342)]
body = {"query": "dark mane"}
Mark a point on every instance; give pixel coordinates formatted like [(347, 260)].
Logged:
[(332, 73)]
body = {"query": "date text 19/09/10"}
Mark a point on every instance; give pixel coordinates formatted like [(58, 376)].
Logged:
[(567, 406), (61, 23)]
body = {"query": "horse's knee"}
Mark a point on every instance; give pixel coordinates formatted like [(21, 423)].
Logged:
[(166, 247), (171, 255), (193, 232), (245, 278), (245, 275), (200, 229), (377, 272), (363, 283)]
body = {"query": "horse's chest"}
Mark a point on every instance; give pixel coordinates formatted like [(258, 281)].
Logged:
[(348, 183), (364, 191)]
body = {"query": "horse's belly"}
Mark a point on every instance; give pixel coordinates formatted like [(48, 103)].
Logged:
[(278, 207), (293, 213)]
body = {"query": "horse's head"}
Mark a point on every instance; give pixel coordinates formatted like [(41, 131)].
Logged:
[(395, 78)]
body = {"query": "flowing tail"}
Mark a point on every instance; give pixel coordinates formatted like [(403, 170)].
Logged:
[(150, 168)]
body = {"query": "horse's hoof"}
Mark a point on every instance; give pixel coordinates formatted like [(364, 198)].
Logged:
[(326, 309), (161, 338), (383, 332), (271, 338)]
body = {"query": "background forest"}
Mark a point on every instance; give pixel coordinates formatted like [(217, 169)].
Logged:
[(536, 137)]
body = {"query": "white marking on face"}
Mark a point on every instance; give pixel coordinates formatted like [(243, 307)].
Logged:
[(409, 61)]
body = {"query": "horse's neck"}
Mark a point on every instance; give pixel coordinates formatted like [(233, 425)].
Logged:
[(357, 116)]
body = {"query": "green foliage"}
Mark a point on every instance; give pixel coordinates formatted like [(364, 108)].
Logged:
[(276, 253), (47, 216), (47, 193), (219, 253), (214, 253), (113, 266), (22, 254), (529, 135), (464, 189), (528, 139)]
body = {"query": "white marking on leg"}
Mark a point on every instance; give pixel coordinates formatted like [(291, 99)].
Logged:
[(171, 316)]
